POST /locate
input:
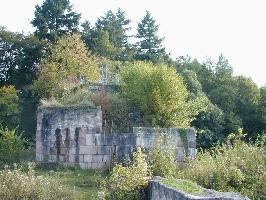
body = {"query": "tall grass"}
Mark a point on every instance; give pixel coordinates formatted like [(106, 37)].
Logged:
[(16, 184), (235, 166)]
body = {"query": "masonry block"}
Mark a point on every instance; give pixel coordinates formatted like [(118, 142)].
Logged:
[(84, 165), (88, 150), (78, 132), (107, 158), (99, 165), (88, 158), (97, 158), (104, 150)]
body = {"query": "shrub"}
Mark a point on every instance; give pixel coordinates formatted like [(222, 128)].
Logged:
[(69, 65), (12, 146), (162, 158), (130, 182), (235, 166), (15, 184), (115, 111), (160, 94), (9, 106)]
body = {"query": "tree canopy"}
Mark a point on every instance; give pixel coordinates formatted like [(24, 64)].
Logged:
[(149, 46), (70, 64), (160, 93), (54, 18)]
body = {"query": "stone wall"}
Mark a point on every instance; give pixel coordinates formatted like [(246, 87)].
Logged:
[(160, 191), (73, 136), (61, 132)]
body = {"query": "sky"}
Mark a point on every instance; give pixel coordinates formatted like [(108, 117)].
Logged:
[(198, 28)]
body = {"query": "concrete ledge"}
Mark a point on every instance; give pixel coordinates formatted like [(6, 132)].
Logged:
[(160, 191)]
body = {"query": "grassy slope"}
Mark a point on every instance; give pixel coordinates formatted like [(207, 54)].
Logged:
[(84, 183)]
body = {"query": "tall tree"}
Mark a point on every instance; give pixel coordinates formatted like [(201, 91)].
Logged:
[(150, 45), (9, 107), (69, 65), (109, 36), (248, 96), (262, 110), (55, 18), (19, 58), (117, 26)]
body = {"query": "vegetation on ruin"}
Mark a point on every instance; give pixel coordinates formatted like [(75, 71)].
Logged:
[(187, 186), (60, 64)]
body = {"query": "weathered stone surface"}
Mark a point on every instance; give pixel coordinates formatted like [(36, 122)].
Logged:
[(107, 158), (97, 158), (74, 135), (160, 191), (104, 150), (87, 158), (88, 150), (99, 165)]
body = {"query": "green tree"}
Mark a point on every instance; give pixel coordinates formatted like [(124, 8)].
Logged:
[(19, 58), (99, 42), (109, 37), (55, 18), (9, 106), (160, 94), (116, 25), (149, 46), (248, 96), (219, 84), (262, 110), (210, 121), (69, 65)]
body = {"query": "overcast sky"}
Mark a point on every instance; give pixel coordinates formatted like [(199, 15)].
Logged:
[(199, 28)]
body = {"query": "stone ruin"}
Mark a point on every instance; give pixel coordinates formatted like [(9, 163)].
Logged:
[(73, 136)]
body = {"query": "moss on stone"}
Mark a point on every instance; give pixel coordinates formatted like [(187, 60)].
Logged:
[(184, 185)]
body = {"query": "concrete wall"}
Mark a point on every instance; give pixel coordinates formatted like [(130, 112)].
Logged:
[(73, 136), (160, 191)]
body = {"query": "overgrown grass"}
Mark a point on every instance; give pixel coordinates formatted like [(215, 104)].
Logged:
[(187, 186), (85, 184), (235, 166), (24, 183)]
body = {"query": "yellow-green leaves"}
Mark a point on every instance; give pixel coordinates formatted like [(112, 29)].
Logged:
[(159, 92), (69, 64)]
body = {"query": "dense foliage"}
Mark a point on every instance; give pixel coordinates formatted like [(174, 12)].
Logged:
[(13, 147), (9, 106), (160, 93), (69, 64), (54, 18)]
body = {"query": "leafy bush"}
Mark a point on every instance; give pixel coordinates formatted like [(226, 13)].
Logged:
[(160, 94), (69, 65), (9, 106), (235, 166), (15, 184), (115, 111), (78, 96), (162, 158), (12, 146), (129, 182)]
